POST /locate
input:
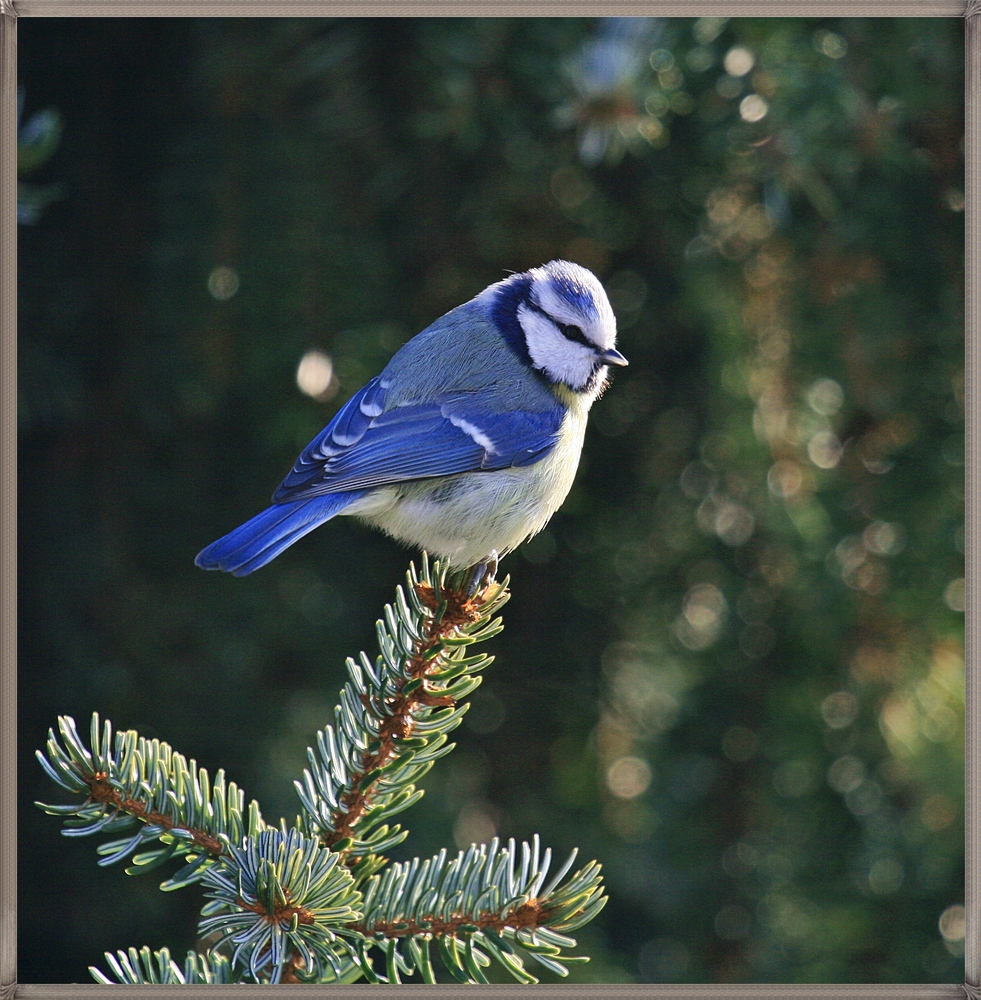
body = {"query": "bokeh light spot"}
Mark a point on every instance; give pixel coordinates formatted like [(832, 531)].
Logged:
[(753, 108), (955, 200), (785, 478), (700, 58), (865, 799), (474, 825), (740, 858), (570, 187), (850, 553), (839, 709), (884, 539), (692, 777), (885, 876), (794, 779), (682, 103), (697, 480), (541, 549), (830, 44), (708, 29), (314, 374), (734, 523), (627, 291), (825, 396), (937, 812), (824, 450), (739, 61), (487, 713), (627, 777), (846, 774), (702, 616), (955, 595), (223, 283), (657, 104), (953, 923)]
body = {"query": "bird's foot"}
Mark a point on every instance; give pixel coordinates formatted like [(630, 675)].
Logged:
[(483, 575)]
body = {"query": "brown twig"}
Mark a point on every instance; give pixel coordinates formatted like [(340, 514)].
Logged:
[(282, 914), (100, 790), (289, 971), (399, 722), (529, 914)]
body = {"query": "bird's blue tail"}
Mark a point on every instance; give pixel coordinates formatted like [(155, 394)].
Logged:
[(261, 539)]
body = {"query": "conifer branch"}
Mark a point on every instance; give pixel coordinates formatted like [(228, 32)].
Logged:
[(309, 903), (487, 903), (142, 787), (393, 716), (146, 967), (281, 901)]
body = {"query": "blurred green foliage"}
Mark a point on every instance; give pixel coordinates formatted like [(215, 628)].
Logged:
[(733, 663), (37, 139)]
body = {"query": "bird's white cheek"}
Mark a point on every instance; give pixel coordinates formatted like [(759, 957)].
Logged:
[(561, 359)]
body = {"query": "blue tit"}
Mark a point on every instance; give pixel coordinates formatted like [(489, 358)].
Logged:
[(468, 441)]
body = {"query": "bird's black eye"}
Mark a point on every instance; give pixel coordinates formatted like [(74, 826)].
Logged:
[(573, 333)]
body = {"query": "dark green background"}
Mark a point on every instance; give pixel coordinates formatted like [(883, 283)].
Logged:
[(750, 599)]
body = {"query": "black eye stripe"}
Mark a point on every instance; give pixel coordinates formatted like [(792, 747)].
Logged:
[(568, 330)]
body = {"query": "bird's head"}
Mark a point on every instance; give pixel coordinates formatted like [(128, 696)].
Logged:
[(558, 319)]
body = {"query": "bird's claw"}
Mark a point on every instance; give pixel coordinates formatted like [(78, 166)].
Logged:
[(483, 575)]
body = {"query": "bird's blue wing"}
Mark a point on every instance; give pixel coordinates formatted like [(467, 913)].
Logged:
[(366, 445), (348, 426)]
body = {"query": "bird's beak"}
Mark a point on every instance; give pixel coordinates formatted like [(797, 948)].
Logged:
[(613, 357)]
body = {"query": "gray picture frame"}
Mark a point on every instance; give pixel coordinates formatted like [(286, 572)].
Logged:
[(12, 10)]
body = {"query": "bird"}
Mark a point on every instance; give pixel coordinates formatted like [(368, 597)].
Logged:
[(467, 442)]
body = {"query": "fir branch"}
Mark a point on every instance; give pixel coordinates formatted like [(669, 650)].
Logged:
[(281, 901), (146, 967), (393, 716), (310, 903), (134, 784), (487, 903)]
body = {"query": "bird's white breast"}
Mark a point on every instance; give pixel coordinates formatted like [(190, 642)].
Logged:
[(462, 519)]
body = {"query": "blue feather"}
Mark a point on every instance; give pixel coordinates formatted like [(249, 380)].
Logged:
[(504, 312), (349, 424), (364, 447), (568, 284), (264, 536), (459, 433)]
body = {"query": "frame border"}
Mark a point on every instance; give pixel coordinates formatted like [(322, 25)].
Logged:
[(10, 10)]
